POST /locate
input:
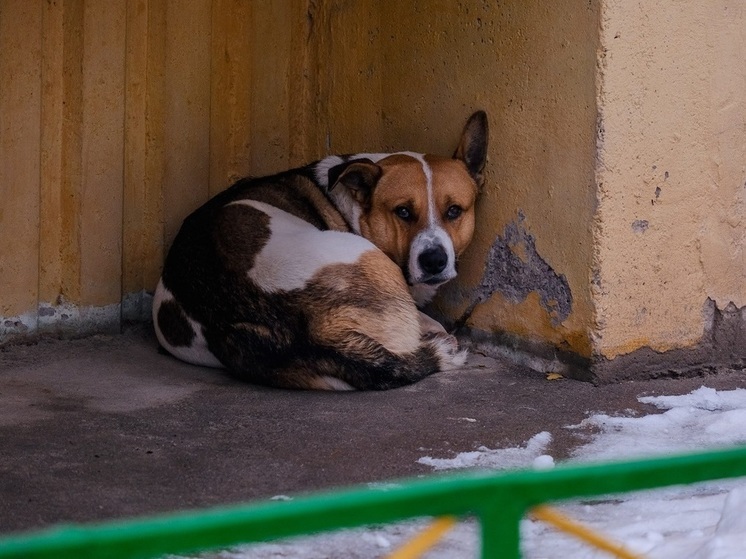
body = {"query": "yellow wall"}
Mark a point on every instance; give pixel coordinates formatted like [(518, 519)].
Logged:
[(671, 225), (119, 118)]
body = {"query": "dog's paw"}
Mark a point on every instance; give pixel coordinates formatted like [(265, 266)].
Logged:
[(450, 355)]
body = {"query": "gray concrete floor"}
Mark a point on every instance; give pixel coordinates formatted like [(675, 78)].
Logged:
[(109, 427)]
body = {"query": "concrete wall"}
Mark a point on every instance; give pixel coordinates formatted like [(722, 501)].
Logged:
[(532, 66), (670, 269), (610, 233), (117, 119)]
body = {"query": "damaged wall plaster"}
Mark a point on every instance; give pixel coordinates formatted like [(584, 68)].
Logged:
[(67, 320), (61, 319), (514, 268)]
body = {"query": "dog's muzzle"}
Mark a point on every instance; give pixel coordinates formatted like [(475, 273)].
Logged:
[(432, 260)]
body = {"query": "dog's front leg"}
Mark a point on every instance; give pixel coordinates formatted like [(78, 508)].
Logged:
[(430, 325), (432, 330)]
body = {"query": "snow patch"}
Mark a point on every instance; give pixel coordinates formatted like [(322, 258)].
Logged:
[(499, 459), (543, 462), (280, 498), (704, 418), (704, 521)]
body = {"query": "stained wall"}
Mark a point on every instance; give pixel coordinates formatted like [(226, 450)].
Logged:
[(118, 119), (669, 276), (610, 232)]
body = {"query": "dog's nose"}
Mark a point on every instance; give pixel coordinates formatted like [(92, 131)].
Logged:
[(433, 260)]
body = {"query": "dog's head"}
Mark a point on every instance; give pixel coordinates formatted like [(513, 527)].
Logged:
[(418, 209)]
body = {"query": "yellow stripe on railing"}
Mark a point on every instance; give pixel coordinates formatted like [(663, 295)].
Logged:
[(555, 518), (425, 539), (429, 537)]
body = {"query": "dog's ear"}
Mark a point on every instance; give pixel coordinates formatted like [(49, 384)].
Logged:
[(358, 176), (472, 149)]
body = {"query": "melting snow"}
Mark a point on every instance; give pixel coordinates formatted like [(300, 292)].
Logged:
[(499, 459), (705, 418), (704, 521)]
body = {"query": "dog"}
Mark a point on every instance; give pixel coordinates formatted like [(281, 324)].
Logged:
[(312, 278)]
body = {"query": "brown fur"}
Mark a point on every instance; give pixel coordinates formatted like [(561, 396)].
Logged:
[(382, 310), (394, 236), (281, 300)]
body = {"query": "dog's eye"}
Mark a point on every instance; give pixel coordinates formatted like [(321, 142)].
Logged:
[(454, 212), (402, 212)]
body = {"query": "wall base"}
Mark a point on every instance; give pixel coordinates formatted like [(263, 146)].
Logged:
[(61, 320), (540, 357), (723, 347)]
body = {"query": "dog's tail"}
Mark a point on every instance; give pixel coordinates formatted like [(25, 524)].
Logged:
[(358, 362), (377, 368), (362, 364)]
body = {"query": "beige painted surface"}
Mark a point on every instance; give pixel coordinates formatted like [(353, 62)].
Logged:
[(230, 96), (409, 76), (531, 65), (670, 228), (20, 113), (142, 239), (101, 152), (58, 165), (186, 106), (618, 145), (724, 232)]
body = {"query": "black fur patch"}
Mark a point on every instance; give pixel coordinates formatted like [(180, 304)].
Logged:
[(174, 325), (239, 233), (285, 358), (473, 147)]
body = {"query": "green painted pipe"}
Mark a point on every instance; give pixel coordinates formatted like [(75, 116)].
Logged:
[(498, 500)]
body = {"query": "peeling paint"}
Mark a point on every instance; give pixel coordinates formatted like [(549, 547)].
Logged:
[(17, 326), (60, 319), (514, 268), (726, 329), (722, 347), (66, 319), (137, 307), (640, 225)]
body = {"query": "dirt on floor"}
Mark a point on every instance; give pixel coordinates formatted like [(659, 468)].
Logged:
[(109, 427)]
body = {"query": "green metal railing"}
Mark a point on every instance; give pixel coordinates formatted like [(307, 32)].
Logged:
[(498, 500)]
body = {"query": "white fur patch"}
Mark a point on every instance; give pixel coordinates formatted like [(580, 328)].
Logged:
[(422, 293), (322, 168), (297, 250), (429, 238), (334, 383), (449, 355), (197, 352)]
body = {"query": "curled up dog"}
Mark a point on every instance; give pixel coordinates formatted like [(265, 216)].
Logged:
[(312, 278)]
